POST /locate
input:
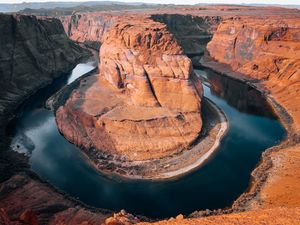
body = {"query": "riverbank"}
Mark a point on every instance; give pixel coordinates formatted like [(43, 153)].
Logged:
[(215, 126), (218, 211), (276, 162), (20, 185), (273, 193)]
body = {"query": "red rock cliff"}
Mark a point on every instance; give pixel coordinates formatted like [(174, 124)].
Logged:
[(144, 104), (264, 50), (88, 28)]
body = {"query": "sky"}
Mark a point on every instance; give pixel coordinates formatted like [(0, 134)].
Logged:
[(285, 2)]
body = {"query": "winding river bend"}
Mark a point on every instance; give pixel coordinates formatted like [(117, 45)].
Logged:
[(252, 129)]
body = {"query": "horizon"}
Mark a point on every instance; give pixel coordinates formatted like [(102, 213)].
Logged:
[(176, 2)]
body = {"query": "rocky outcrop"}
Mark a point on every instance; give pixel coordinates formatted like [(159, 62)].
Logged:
[(144, 104), (33, 52), (24, 200)]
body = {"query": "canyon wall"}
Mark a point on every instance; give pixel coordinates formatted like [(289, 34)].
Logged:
[(267, 51), (193, 27), (192, 32), (33, 53), (148, 105), (88, 28)]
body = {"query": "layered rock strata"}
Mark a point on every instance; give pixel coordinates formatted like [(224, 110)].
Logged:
[(33, 52), (192, 31), (28, 201), (266, 51), (144, 104), (88, 28), (193, 27)]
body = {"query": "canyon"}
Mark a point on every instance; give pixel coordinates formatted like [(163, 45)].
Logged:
[(256, 45)]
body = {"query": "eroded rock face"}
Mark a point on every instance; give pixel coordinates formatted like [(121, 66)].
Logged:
[(144, 104), (265, 50), (33, 53), (88, 28), (28, 201), (192, 31)]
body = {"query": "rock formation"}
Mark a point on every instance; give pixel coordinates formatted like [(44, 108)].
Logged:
[(193, 27), (193, 32), (267, 51), (260, 42), (28, 201), (264, 51), (33, 52), (144, 105), (88, 28)]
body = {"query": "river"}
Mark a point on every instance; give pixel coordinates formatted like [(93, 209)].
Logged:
[(252, 128)]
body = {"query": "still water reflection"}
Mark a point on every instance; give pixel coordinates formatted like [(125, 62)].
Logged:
[(253, 128)]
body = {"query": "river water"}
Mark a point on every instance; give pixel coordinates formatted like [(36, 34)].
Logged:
[(252, 128)]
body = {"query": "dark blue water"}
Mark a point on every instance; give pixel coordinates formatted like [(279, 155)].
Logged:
[(253, 128)]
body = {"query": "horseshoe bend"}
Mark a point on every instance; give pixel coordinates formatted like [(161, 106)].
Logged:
[(144, 114)]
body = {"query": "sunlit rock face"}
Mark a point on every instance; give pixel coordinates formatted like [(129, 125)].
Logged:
[(265, 50), (88, 28), (144, 104)]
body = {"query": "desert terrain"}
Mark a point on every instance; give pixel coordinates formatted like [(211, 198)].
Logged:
[(146, 61)]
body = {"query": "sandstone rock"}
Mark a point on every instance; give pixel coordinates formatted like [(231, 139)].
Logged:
[(144, 105), (193, 32), (264, 50), (88, 28), (277, 215), (33, 53), (122, 218), (179, 217), (29, 217), (28, 201), (285, 90)]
